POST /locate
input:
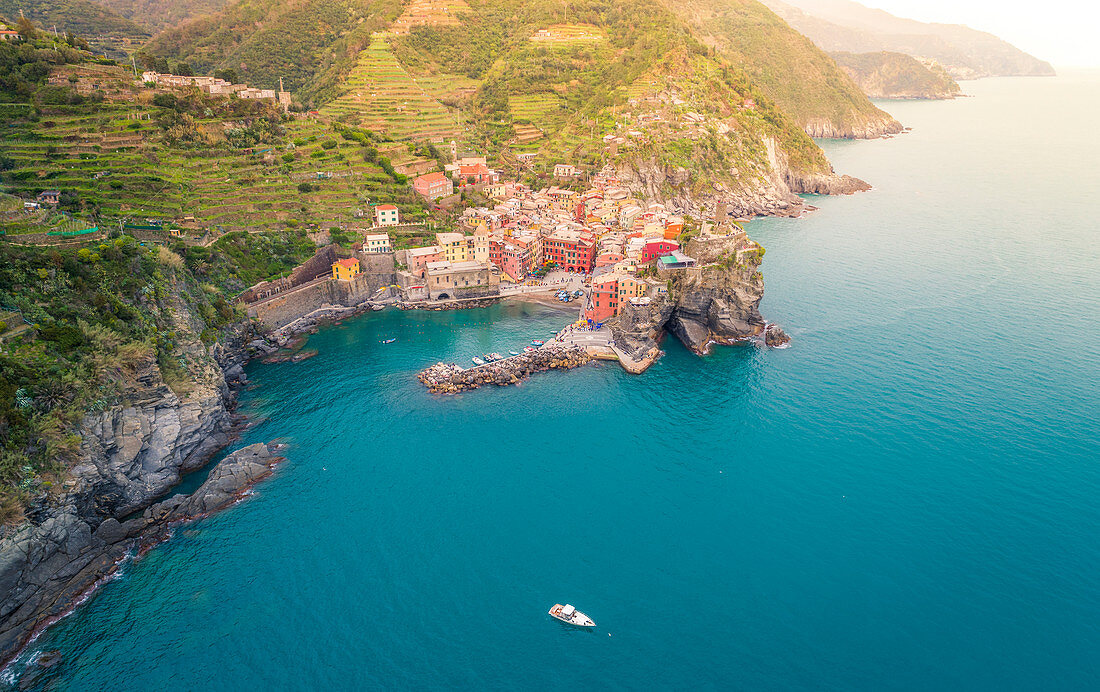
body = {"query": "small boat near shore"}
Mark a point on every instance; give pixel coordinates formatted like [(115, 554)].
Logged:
[(537, 342), (477, 361), (571, 616), (495, 356), (513, 353)]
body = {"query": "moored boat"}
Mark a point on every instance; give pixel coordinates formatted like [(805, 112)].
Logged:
[(513, 353), (496, 356), (477, 361), (571, 616), (537, 342)]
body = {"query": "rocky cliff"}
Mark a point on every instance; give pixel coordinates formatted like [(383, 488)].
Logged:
[(767, 187), (46, 567), (131, 455), (716, 301)]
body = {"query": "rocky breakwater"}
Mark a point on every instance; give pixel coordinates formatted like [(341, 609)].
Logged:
[(448, 378), (715, 302), (47, 567)]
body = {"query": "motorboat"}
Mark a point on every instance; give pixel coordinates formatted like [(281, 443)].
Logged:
[(389, 341), (496, 356), (571, 616), (537, 342), (477, 361), (528, 349), (513, 353)]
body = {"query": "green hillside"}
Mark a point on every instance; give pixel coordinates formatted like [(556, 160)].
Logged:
[(896, 75), (802, 79), (381, 95), (81, 17), (311, 44), (158, 15)]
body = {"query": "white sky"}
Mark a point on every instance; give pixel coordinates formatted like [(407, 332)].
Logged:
[(1062, 32)]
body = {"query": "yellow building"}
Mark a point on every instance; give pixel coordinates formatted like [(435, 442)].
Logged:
[(454, 246), (345, 269)]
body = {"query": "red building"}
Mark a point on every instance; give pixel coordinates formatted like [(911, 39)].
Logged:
[(571, 250), (478, 173), (604, 301), (657, 247)]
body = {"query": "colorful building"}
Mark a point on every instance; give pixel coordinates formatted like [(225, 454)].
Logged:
[(386, 215), (376, 243), (418, 258), (571, 250), (603, 303), (345, 269), (455, 248), (657, 247), (432, 186)]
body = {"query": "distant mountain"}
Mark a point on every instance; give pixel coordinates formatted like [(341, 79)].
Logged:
[(158, 15), (843, 25), (897, 76), (78, 16)]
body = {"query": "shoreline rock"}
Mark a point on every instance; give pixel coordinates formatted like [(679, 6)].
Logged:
[(46, 570)]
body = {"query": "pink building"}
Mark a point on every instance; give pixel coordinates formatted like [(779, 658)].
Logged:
[(418, 258), (433, 185)]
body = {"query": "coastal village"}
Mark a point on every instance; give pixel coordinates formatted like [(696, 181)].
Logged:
[(618, 248), (598, 249)]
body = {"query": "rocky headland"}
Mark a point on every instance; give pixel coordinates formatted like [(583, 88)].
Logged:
[(715, 302)]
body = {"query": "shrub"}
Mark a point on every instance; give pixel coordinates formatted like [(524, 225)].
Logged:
[(305, 187)]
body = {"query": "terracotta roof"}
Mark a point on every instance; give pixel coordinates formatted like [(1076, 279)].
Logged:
[(436, 177), (349, 262), (386, 207)]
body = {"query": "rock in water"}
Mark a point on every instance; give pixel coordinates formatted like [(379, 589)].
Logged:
[(775, 336)]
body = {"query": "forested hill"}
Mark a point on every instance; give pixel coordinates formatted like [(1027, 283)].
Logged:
[(81, 17), (800, 77), (158, 15), (305, 43), (897, 76)]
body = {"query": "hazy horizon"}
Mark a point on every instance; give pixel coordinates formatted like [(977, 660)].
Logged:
[(1062, 36)]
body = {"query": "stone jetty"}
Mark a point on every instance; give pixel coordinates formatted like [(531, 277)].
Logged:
[(448, 378)]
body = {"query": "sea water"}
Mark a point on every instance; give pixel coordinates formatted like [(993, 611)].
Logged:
[(907, 498)]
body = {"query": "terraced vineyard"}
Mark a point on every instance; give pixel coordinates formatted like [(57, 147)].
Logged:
[(429, 13), (381, 95), (535, 115), (111, 162)]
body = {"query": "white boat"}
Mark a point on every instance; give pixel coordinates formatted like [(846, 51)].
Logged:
[(570, 615), (478, 361)]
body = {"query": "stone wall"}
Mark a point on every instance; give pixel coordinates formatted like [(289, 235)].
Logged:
[(318, 265)]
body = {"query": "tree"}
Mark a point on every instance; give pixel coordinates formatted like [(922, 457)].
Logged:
[(184, 69), (26, 28), (229, 74)]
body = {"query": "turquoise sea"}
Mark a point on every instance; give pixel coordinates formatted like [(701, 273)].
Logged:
[(908, 498)]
